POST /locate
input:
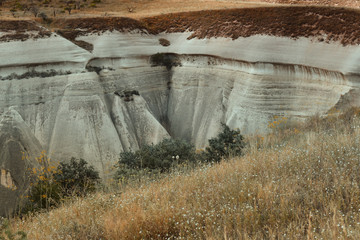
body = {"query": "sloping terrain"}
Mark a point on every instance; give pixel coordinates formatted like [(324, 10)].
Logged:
[(298, 183), (99, 86)]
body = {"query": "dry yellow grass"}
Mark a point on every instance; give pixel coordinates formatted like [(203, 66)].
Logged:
[(292, 184)]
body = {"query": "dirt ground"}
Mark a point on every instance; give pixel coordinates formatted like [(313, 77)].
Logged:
[(205, 18), (321, 23), (335, 3), (137, 9)]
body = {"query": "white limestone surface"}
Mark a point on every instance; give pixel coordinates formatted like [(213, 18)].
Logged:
[(258, 48), (243, 82), (42, 54)]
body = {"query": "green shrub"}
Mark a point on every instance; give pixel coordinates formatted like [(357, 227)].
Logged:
[(155, 159), (50, 183), (160, 157), (227, 143), (76, 177)]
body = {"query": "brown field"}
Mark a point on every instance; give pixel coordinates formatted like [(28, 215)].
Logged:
[(123, 8), (145, 8), (337, 24)]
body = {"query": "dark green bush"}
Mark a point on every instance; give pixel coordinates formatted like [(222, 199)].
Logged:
[(76, 177), (50, 184), (227, 143), (161, 156)]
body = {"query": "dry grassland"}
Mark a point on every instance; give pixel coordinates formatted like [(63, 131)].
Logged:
[(295, 183)]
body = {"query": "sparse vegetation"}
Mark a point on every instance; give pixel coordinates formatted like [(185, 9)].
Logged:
[(33, 73)]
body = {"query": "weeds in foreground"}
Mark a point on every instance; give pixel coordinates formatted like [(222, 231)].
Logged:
[(305, 187), (7, 234), (44, 190)]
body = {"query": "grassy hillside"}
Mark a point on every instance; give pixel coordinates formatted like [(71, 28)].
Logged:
[(295, 183)]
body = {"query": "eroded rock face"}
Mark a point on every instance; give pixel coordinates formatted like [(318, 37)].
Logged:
[(131, 90), (184, 92), (18, 149)]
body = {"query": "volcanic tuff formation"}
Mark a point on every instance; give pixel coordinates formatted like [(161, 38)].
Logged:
[(101, 86)]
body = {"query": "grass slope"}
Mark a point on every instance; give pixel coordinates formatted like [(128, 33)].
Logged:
[(296, 183)]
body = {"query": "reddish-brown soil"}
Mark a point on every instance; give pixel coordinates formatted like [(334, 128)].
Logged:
[(71, 28), (98, 24), (340, 3), (325, 24), (20, 30)]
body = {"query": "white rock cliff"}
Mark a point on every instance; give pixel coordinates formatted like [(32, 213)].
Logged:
[(131, 90), (242, 82)]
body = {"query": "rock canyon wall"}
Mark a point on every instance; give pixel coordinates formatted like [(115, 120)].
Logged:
[(97, 87)]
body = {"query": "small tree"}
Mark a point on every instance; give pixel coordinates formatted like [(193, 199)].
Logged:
[(227, 143), (68, 8), (77, 5), (76, 177), (44, 17), (50, 183), (34, 10)]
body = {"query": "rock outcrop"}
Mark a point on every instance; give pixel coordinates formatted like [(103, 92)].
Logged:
[(18, 149), (112, 84)]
